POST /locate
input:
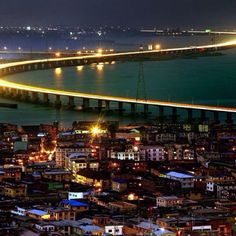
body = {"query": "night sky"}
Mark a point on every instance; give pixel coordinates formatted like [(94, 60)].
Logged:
[(134, 13)]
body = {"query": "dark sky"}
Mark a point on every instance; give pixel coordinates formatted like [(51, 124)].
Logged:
[(141, 13)]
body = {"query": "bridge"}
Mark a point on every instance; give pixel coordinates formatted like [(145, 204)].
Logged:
[(22, 91)]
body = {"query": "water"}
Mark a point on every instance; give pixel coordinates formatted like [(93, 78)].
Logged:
[(204, 80)]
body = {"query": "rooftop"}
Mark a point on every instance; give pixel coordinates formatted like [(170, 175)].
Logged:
[(180, 175), (37, 212), (74, 203)]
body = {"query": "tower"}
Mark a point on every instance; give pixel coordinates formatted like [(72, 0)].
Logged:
[(141, 86)]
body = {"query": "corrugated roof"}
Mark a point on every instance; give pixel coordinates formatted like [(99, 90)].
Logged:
[(74, 203), (38, 212), (179, 175)]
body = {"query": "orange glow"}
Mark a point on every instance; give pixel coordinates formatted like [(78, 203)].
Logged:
[(58, 71), (100, 67), (157, 46), (95, 130), (57, 54), (131, 197), (79, 68)]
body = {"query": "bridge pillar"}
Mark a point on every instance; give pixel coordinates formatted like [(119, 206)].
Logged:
[(2, 90), (71, 102), (190, 115), (25, 95), (46, 99), (86, 103), (120, 107), (58, 102), (145, 109), (161, 113), (174, 115), (100, 105), (35, 97), (19, 94), (107, 105), (203, 115), (133, 108), (12, 92), (216, 117), (229, 119)]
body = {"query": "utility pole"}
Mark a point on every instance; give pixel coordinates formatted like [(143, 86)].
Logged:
[(141, 86)]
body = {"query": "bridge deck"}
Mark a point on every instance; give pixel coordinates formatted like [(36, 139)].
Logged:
[(114, 98), (13, 85)]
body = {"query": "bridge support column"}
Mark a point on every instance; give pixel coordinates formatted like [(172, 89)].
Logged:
[(11, 92), (190, 115), (216, 117), (8, 92), (46, 99), (161, 114), (229, 119), (25, 95), (86, 104), (19, 93), (145, 109), (107, 105), (2, 90), (174, 115), (71, 102), (120, 107), (58, 102), (100, 105), (35, 97), (203, 115), (133, 108)]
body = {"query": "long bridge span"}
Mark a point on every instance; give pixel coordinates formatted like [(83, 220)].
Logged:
[(22, 91)]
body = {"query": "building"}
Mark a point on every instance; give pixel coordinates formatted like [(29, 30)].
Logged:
[(43, 226), (76, 206), (57, 175), (61, 213), (213, 180), (62, 152), (119, 185), (152, 153), (98, 180), (38, 214), (180, 152), (186, 179), (15, 190), (124, 155), (114, 229), (169, 201)]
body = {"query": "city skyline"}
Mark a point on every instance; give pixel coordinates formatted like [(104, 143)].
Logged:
[(129, 13)]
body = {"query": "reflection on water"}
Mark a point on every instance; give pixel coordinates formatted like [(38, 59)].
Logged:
[(58, 72)]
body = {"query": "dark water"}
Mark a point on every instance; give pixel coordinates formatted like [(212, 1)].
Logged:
[(205, 80)]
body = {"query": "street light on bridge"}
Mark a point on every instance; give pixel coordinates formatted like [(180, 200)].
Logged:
[(157, 46), (99, 51), (57, 54)]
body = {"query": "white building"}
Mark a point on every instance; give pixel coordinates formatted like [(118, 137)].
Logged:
[(75, 195), (45, 227), (114, 230), (63, 152), (126, 155), (152, 153), (19, 211)]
